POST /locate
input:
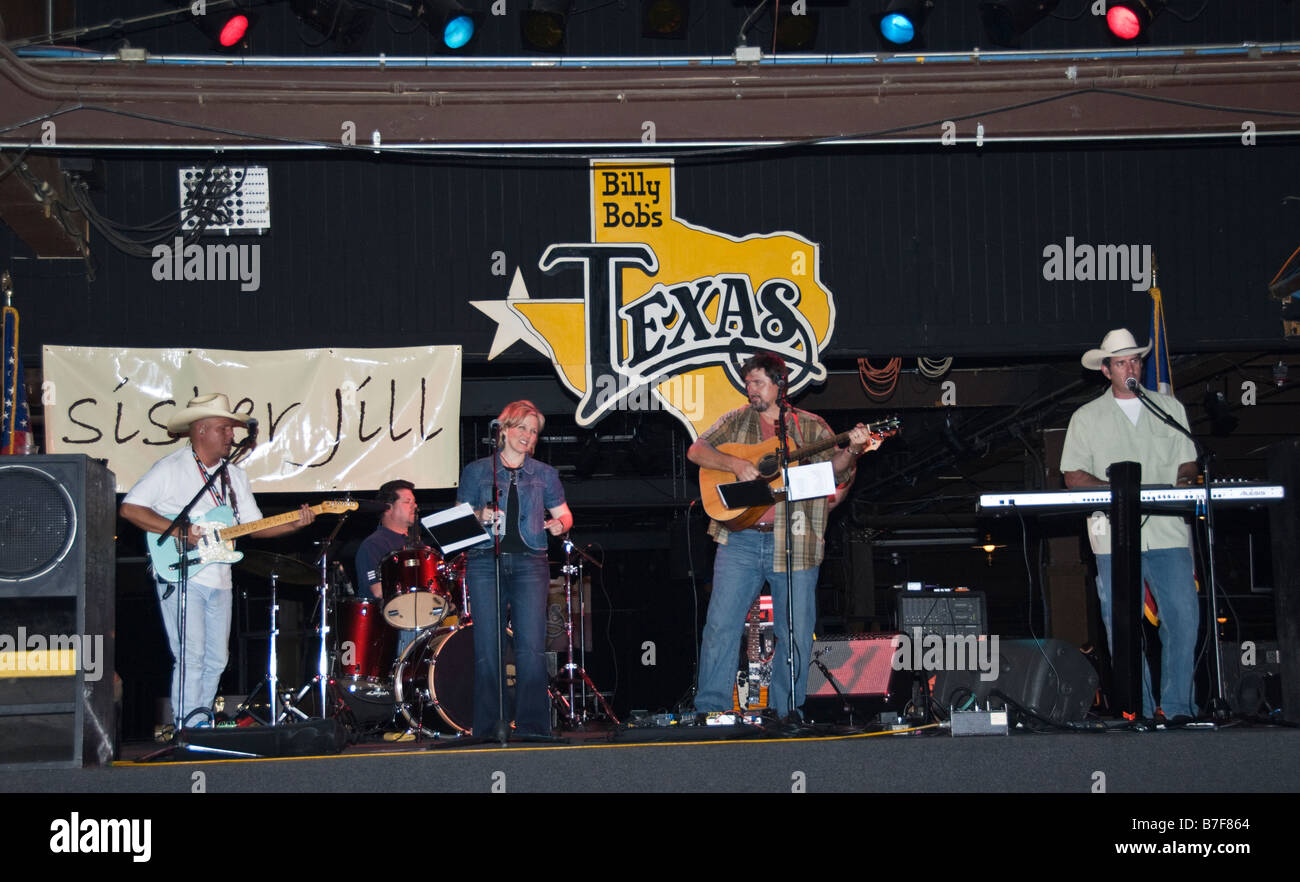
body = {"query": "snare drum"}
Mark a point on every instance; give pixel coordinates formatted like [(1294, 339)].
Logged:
[(434, 681), (416, 589)]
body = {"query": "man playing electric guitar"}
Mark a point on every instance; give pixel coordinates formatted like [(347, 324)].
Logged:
[(750, 556), (157, 498)]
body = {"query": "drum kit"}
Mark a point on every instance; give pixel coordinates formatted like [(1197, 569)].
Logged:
[(427, 690), (430, 685)]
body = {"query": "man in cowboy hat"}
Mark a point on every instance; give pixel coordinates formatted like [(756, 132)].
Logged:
[(1115, 428), (157, 498)]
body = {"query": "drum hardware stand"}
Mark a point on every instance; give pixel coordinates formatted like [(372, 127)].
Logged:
[(279, 705), (573, 670), (322, 680)]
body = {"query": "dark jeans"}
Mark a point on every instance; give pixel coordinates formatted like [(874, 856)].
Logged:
[(524, 580)]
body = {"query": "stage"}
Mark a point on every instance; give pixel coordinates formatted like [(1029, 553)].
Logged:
[(1231, 759)]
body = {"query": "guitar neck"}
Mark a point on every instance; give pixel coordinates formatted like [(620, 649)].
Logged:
[(814, 449), (237, 530)]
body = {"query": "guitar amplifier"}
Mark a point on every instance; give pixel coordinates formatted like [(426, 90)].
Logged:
[(863, 667)]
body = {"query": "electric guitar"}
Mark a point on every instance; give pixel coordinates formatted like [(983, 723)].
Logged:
[(764, 458), (754, 677), (217, 546)]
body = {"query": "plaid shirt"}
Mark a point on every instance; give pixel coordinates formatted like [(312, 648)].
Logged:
[(742, 426)]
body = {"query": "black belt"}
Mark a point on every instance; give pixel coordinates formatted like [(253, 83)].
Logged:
[(763, 528)]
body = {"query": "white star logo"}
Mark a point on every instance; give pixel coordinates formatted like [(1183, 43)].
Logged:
[(510, 326)]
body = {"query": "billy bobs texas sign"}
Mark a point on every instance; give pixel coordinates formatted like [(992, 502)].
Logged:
[(668, 310)]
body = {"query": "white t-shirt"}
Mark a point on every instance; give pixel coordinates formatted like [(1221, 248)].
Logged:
[(173, 481)]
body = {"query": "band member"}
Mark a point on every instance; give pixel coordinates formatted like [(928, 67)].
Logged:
[(748, 558), (395, 532), (157, 498), (1115, 428), (392, 534), (526, 491)]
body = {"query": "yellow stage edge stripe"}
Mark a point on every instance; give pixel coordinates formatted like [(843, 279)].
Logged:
[(38, 663)]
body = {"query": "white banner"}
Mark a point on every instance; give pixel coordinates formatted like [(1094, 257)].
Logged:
[(330, 419)]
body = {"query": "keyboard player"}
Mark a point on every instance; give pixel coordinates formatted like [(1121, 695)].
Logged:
[(1113, 428)]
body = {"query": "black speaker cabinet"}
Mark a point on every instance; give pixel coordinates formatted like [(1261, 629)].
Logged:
[(1049, 677), (1252, 677), (56, 611)]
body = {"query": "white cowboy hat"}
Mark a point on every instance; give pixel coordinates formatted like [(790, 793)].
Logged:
[(1117, 342), (202, 408)]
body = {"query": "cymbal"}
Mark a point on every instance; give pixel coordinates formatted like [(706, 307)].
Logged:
[(289, 570)]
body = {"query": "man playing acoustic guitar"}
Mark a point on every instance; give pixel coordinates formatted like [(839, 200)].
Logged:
[(749, 556), (157, 498)]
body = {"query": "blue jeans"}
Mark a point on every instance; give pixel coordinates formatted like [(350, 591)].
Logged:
[(207, 646), (741, 568), (524, 580), (1168, 572)]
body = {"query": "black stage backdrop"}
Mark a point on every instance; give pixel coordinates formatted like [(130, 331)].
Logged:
[(928, 250)]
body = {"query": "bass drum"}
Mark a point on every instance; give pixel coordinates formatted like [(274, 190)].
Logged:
[(434, 680)]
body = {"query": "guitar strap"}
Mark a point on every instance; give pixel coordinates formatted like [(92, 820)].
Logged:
[(227, 492)]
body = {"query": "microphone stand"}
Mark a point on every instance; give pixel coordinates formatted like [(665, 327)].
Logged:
[(1218, 705), (500, 729), (783, 462)]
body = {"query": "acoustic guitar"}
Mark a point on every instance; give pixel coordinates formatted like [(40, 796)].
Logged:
[(763, 456)]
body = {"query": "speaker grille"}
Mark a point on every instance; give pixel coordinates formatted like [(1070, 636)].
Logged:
[(37, 520)]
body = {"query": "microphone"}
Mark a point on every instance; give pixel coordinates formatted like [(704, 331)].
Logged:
[(1133, 386), (246, 444)]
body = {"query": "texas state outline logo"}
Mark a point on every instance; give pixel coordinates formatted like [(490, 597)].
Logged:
[(667, 310)]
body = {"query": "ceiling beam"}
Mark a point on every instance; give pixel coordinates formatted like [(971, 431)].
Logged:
[(109, 103)]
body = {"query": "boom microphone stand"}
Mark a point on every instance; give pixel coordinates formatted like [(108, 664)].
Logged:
[(1218, 708)]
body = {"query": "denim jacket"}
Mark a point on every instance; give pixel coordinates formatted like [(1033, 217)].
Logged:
[(539, 489)]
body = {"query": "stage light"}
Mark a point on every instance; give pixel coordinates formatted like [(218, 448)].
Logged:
[(1006, 20), (899, 26), (447, 20), (233, 30), (341, 21), (1222, 421), (796, 33), (1129, 20), (665, 19), (543, 25), (226, 28)]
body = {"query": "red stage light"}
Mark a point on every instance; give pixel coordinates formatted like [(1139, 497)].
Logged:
[(233, 30), (1123, 22)]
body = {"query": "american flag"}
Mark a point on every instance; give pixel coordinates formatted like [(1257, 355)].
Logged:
[(15, 425), (1158, 376)]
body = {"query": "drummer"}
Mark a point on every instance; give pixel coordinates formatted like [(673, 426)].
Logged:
[(396, 531)]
